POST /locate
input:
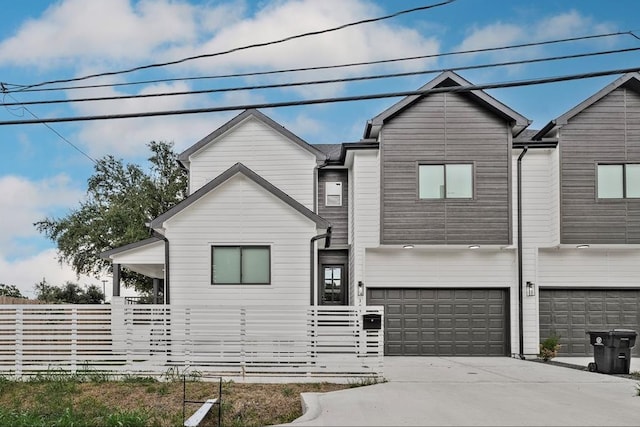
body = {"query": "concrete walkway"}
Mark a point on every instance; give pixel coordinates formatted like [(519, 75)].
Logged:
[(448, 391)]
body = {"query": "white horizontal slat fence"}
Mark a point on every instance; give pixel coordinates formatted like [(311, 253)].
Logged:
[(245, 342)]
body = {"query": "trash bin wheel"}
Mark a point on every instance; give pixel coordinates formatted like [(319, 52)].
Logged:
[(592, 367)]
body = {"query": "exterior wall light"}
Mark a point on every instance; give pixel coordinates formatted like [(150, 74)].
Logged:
[(407, 247), (360, 288), (582, 247), (531, 289), (474, 246)]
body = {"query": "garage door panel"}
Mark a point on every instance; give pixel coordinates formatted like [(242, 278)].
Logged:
[(444, 322), (571, 313)]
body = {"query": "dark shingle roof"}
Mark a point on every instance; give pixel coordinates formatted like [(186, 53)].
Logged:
[(332, 151)]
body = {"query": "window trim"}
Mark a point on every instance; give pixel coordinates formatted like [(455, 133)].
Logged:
[(444, 165), (624, 181), (241, 247)]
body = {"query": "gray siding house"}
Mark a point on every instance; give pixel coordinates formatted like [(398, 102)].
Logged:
[(478, 236)]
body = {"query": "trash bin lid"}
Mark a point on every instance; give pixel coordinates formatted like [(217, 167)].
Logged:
[(623, 332)]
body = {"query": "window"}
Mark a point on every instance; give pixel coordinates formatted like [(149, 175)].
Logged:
[(333, 191), (619, 181), (240, 265), (452, 181)]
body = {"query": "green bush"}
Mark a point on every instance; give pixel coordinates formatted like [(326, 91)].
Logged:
[(549, 347)]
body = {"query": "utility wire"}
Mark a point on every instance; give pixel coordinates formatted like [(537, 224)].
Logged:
[(453, 89), (326, 81), (246, 47), (27, 88), (39, 120)]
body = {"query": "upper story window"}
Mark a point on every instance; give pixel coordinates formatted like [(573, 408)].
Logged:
[(618, 181), (235, 265), (450, 181), (333, 193)]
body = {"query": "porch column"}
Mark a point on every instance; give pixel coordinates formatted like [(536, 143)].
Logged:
[(116, 280), (156, 289)]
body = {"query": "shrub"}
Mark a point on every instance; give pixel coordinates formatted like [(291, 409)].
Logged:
[(549, 347)]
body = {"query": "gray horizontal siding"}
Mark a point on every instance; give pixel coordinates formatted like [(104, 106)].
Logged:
[(607, 131), (338, 216), (445, 128)]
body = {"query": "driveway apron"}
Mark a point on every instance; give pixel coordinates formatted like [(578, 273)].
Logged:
[(450, 391)]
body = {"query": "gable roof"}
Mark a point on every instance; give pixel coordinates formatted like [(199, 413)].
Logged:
[(224, 177), (630, 80), (448, 79), (183, 157)]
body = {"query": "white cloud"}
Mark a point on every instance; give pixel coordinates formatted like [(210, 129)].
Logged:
[(282, 19), (25, 202), (569, 24), (129, 137), (99, 30), (28, 271), (565, 25)]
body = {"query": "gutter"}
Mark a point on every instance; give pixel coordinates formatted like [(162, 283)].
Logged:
[(312, 274), (520, 280), (167, 295)]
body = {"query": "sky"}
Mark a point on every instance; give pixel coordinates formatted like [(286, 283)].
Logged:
[(44, 169)]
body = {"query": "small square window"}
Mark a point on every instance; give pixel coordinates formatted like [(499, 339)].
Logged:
[(451, 181), (333, 191)]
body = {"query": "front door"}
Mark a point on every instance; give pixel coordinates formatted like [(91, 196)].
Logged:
[(332, 285)]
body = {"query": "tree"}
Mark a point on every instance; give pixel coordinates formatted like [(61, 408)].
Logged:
[(70, 293), (10, 291), (121, 199)]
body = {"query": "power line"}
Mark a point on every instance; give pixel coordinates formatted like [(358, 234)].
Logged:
[(454, 89), (246, 47), (23, 88), (78, 149), (325, 81)]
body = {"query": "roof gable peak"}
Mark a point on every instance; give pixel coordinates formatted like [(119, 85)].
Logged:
[(184, 157), (443, 80)]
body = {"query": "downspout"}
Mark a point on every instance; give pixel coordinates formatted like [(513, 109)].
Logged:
[(327, 243), (520, 280), (167, 295)]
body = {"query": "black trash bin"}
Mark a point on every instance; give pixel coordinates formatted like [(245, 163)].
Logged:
[(612, 350)]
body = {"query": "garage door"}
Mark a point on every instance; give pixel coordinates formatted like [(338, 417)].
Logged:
[(570, 313), (443, 322)]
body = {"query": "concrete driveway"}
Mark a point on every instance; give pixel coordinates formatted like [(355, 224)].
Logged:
[(449, 391)]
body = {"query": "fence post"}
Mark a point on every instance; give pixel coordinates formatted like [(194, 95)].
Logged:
[(74, 339), (243, 339), (19, 341)]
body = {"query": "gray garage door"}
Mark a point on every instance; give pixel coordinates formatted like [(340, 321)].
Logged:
[(443, 322), (570, 313)]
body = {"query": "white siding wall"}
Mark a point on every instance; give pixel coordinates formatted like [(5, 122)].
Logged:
[(239, 212), (589, 267), (540, 218), (148, 254), (365, 181), (263, 150), (420, 268)]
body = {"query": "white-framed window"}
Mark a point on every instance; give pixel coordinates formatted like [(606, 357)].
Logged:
[(618, 181), (445, 181), (240, 265), (333, 193)]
